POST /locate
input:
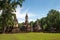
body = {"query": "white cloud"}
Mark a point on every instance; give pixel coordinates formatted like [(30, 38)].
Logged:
[(0, 11), (59, 10), (21, 15)]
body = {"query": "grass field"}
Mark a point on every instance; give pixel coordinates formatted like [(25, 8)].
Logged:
[(30, 36)]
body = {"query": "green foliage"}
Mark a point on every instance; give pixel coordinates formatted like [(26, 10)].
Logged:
[(7, 7), (20, 24), (31, 23), (43, 22), (51, 21), (5, 4)]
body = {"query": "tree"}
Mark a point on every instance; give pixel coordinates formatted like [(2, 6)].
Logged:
[(53, 19), (7, 7), (32, 23), (51, 22), (43, 22)]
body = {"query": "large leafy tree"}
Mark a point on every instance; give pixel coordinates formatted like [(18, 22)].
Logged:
[(52, 21), (7, 7), (43, 22)]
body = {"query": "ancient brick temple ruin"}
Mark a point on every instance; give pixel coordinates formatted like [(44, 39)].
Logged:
[(26, 25), (37, 27), (15, 27)]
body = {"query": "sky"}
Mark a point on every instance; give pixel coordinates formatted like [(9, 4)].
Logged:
[(36, 9)]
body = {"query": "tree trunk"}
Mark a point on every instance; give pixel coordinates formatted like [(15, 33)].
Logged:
[(3, 22)]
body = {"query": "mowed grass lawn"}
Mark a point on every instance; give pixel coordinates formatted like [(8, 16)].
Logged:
[(30, 36)]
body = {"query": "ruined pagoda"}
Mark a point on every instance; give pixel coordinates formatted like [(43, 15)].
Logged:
[(37, 27), (15, 27), (26, 20), (27, 25)]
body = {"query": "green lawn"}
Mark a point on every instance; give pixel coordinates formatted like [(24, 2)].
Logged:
[(30, 36)]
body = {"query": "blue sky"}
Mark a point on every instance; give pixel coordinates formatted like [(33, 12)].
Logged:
[(36, 9)]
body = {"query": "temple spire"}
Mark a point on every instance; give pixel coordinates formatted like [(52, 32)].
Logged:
[(26, 19)]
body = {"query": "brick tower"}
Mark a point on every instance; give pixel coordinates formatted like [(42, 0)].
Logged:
[(26, 20)]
